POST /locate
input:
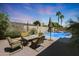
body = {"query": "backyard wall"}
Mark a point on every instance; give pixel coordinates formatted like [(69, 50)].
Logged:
[(23, 27)]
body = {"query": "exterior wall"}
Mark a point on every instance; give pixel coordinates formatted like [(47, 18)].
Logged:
[(23, 27), (17, 26), (42, 29)]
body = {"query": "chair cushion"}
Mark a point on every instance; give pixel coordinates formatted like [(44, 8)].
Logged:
[(16, 39)]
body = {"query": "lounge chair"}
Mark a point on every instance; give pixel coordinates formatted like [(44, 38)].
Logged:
[(38, 42), (24, 41), (14, 43)]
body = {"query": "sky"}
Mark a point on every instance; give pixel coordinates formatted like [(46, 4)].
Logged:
[(30, 12)]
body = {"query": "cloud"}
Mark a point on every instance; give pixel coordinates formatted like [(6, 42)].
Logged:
[(22, 19), (31, 13), (28, 6), (47, 10), (17, 15)]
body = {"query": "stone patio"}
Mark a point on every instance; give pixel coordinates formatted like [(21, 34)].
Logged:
[(26, 51)]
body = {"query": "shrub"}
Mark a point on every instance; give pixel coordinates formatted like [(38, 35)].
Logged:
[(33, 31), (4, 23), (74, 29), (13, 34), (40, 34)]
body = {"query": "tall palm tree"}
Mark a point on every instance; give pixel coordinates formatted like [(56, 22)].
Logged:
[(61, 17), (58, 14)]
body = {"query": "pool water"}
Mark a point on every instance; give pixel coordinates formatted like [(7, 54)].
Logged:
[(58, 35), (63, 37)]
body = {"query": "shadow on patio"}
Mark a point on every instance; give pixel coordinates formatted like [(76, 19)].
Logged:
[(59, 49)]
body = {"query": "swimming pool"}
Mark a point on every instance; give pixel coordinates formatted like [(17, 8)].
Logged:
[(58, 35), (63, 37)]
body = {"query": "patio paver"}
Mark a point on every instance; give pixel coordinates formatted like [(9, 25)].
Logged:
[(26, 51)]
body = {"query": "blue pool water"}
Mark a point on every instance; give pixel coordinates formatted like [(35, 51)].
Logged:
[(63, 36), (58, 35)]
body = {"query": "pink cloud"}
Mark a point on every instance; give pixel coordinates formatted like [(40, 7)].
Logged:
[(47, 10), (50, 10)]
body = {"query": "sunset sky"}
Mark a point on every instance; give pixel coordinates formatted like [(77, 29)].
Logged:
[(30, 12)]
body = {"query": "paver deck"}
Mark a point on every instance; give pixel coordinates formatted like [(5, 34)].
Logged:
[(26, 51)]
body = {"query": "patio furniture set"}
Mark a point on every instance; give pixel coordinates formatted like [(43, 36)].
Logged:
[(32, 41)]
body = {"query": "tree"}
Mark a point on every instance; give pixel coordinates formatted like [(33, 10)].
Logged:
[(56, 25), (4, 23), (58, 14), (61, 17), (74, 29), (50, 27), (37, 23)]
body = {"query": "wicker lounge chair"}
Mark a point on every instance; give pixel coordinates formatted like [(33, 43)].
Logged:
[(14, 43)]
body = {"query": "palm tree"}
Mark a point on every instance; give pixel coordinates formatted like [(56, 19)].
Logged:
[(58, 14), (61, 17)]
